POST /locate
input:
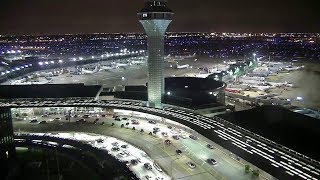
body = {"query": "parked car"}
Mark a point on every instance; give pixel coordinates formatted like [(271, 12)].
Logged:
[(134, 121), (157, 167), (193, 137), (33, 121), (115, 149), (147, 166), (43, 122), (156, 129), (100, 140), (134, 162), (152, 122), (176, 137), (164, 134), (124, 146)]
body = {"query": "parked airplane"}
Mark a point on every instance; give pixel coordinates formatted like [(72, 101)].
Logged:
[(84, 71), (182, 66), (137, 62), (106, 68)]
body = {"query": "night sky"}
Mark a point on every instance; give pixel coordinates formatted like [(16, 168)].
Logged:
[(107, 16)]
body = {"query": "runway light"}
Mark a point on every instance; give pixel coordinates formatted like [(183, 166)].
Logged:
[(168, 93)]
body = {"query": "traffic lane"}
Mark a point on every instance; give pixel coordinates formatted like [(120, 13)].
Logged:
[(151, 144), (226, 167)]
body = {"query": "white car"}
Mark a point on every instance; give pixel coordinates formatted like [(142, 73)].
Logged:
[(157, 167), (122, 154)]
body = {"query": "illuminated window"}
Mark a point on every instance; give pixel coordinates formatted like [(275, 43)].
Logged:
[(144, 15)]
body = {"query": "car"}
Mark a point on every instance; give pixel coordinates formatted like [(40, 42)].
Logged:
[(125, 119), (147, 177), (178, 151), (191, 165), (135, 121), (156, 129), (115, 144), (115, 149), (157, 167), (183, 136), (43, 122), (126, 162), (134, 162), (122, 155), (210, 146), (100, 140), (152, 122), (117, 118), (81, 120), (170, 127), (86, 116), (212, 161), (57, 119), (144, 154), (167, 142), (176, 137), (44, 115), (159, 178), (147, 166), (33, 121), (164, 134), (126, 152), (102, 123), (124, 146), (193, 137)]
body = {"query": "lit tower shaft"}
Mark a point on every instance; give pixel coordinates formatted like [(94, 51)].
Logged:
[(155, 18)]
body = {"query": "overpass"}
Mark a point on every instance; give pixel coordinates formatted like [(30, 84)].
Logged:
[(275, 159)]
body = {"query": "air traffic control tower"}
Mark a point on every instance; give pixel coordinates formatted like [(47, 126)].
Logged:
[(155, 18)]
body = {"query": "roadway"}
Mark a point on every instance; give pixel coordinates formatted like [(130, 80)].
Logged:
[(269, 156), (154, 146)]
